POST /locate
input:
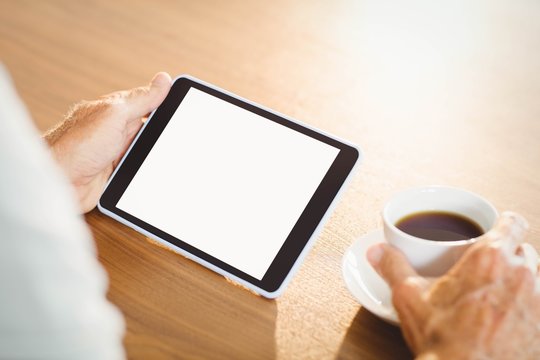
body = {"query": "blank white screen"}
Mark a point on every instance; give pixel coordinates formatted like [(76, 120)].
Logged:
[(227, 181)]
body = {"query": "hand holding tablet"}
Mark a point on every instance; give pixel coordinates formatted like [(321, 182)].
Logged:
[(229, 184)]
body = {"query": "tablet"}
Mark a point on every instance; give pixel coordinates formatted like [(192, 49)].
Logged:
[(230, 184)]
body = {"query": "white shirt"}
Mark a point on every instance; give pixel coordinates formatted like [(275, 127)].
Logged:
[(52, 288)]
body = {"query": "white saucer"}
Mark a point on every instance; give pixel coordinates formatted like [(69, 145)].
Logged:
[(363, 281)]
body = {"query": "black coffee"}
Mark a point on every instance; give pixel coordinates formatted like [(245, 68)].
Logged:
[(439, 226)]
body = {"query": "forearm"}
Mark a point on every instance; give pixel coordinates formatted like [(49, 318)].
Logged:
[(62, 157), (53, 138), (52, 135)]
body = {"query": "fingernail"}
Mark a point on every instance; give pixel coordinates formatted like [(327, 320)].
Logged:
[(161, 78), (374, 254), (156, 80)]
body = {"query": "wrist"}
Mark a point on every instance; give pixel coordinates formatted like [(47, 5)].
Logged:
[(60, 157), (63, 160)]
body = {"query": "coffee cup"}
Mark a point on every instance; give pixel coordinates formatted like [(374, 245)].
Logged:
[(432, 253)]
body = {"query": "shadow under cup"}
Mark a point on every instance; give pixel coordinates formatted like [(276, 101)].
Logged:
[(432, 257)]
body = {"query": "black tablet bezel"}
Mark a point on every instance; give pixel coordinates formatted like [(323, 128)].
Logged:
[(305, 225)]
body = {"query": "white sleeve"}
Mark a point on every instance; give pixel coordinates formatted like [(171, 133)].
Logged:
[(52, 288)]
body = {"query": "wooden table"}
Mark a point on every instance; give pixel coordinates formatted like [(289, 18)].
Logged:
[(434, 94)]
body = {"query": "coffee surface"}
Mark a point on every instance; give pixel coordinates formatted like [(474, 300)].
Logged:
[(439, 226)]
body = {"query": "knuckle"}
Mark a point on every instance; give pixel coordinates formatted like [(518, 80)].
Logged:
[(405, 288), (139, 91), (408, 297), (113, 105), (104, 107), (488, 262), (91, 109), (116, 95), (484, 257)]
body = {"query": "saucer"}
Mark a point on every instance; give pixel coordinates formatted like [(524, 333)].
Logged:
[(367, 287)]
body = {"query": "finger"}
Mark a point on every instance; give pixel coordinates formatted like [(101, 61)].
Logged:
[(133, 129), (407, 289), (145, 99), (508, 233), (390, 263), (528, 257), (412, 307)]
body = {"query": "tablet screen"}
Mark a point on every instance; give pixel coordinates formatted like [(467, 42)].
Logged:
[(241, 195)]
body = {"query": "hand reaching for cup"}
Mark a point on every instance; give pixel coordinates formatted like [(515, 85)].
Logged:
[(487, 306)]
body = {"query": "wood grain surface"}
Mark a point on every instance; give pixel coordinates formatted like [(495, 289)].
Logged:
[(445, 93)]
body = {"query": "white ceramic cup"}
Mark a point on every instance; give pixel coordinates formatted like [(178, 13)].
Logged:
[(429, 257)]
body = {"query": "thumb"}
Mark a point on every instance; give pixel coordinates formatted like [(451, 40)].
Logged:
[(407, 290), (142, 100), (509, 231), (390, 263)]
